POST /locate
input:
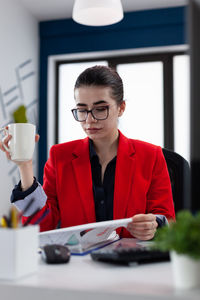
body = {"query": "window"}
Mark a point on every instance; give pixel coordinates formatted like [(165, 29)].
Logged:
[(156, 92), (143, 91)]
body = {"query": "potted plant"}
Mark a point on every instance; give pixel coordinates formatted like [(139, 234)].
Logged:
[(19, 115), (182, 239)]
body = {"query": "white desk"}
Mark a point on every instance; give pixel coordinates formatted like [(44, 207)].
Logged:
[(83, 279)]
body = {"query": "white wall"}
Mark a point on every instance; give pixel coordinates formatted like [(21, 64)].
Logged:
[(18, 80)]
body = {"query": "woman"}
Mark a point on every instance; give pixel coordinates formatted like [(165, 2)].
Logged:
[(104, 176)]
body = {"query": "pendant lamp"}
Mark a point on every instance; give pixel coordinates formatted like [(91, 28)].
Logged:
[(97, 12)]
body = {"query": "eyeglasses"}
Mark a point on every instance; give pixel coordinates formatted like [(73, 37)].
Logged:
[(98, 113)]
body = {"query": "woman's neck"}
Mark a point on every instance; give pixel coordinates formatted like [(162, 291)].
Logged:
[(106, 148)]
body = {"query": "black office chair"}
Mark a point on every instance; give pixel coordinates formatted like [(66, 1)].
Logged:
[(179, 172)]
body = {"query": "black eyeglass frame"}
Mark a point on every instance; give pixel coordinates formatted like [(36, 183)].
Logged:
[(74, 110)]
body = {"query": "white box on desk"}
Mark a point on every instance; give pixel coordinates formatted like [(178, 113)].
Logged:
[(18, 251)]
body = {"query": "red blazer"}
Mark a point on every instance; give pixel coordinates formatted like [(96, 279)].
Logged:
[(142, 183)]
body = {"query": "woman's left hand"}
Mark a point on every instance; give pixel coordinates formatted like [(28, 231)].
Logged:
[(143, 226)]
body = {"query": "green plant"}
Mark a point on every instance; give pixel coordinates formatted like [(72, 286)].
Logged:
[(182, 236), (19, 115)]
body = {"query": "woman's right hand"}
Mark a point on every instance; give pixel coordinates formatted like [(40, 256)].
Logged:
[(6, 142)]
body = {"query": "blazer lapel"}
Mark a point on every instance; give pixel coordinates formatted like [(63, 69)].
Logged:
[(123, 176), (82, 169)]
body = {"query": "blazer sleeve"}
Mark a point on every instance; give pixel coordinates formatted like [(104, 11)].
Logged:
[(159, 196), (51, 219)]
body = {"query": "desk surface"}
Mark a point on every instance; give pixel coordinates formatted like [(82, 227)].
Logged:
[(84, 278)]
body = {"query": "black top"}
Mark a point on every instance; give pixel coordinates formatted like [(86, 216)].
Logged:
[(103, 191)]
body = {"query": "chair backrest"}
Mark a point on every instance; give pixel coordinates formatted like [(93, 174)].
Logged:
[(179, 172)]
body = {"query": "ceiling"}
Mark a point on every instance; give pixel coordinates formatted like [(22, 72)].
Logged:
[(45, 10)]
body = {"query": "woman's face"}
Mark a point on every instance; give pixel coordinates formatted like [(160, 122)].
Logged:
[(89, 97)]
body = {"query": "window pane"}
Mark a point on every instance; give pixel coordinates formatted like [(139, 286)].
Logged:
[(181, 106), (143, 91), (68, 128)]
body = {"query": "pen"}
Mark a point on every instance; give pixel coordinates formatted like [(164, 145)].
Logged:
[(14, 217), (27, 222), (42, 216), (4, 222)]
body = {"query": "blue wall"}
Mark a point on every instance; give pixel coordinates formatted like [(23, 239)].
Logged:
[(150, 28)]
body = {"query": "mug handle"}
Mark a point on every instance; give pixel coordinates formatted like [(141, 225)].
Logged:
[(3, 139)]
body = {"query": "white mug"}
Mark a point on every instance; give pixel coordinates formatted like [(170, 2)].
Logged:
[(22, 143)]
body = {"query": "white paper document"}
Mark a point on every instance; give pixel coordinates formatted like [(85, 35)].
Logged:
[(84, 237)]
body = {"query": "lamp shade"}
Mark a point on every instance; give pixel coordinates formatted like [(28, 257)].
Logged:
[(97, 12)]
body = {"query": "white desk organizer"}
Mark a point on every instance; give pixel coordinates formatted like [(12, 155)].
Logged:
[(18, 251)]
